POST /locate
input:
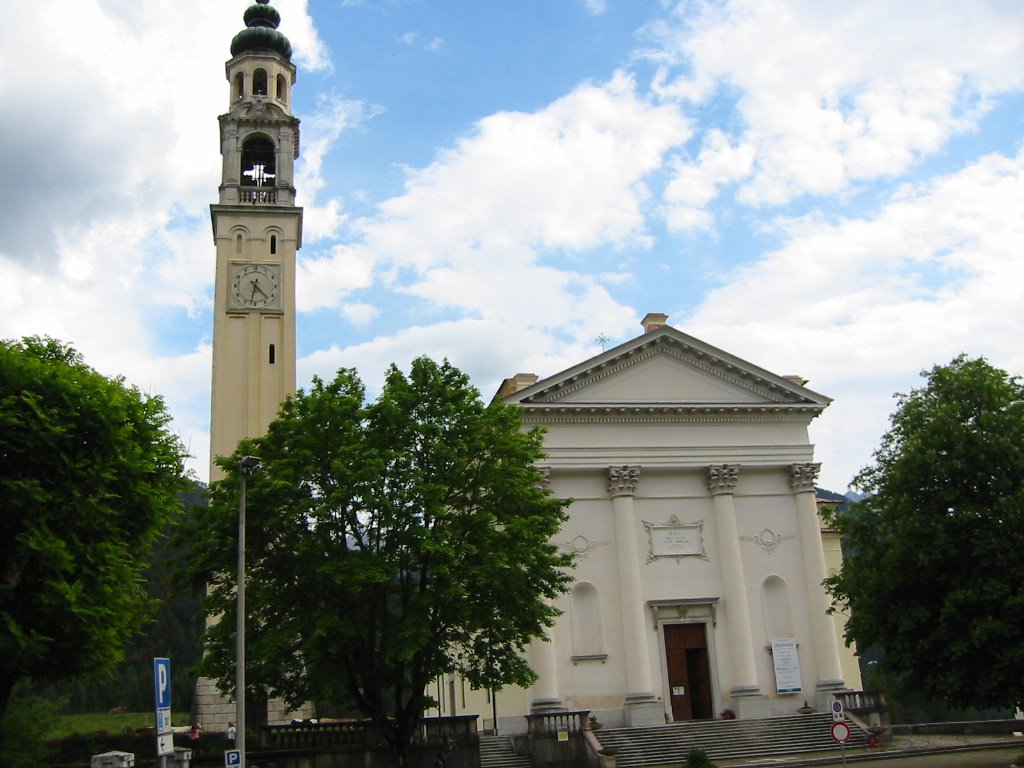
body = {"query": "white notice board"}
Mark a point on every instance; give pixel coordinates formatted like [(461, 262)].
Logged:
[(787, 665)]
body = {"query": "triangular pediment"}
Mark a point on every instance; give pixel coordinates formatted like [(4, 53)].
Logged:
[(667, 369), (661, 377)]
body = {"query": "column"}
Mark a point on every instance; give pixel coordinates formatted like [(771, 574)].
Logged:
[(722, 482), (543, 658), (543, 661), (823, 633), (622, 484)]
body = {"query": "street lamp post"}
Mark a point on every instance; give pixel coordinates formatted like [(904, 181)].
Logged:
[(248, 466)]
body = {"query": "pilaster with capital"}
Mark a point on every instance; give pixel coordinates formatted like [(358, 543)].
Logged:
[(544, 662), (803, 478), (721, 480), (623, 482), (543, 658)]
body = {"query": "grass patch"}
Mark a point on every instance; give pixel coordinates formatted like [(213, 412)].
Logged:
[(99, 722)]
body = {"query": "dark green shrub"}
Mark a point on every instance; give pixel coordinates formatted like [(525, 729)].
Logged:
[(23, 730), (698, 758)]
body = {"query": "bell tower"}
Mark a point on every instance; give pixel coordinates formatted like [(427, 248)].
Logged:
[(257, 230)]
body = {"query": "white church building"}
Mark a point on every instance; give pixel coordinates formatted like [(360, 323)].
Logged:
[(700, 551)]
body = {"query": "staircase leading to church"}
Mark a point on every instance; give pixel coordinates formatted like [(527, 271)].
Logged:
[(723, 739), (497, 752)]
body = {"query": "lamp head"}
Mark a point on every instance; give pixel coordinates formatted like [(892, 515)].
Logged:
[(250, 464)]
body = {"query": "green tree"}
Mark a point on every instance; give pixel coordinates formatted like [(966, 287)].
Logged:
[(934, 569), (388, 543), (89, 474)]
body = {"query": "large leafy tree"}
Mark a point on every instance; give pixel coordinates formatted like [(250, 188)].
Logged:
[(934, 567), (388, 543), (89, 474)]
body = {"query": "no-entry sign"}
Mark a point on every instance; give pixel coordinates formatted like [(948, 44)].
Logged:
[(840, 732)]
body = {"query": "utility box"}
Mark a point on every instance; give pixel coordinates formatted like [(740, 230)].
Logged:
[(114, 760), (182, 758)]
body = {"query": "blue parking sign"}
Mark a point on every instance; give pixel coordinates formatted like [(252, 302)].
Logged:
[(232, 757), (162, 682)]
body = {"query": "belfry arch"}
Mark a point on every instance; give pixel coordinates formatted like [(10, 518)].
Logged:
[(259, 161)]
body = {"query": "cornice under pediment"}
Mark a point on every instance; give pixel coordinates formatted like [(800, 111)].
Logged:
[(705, 382)]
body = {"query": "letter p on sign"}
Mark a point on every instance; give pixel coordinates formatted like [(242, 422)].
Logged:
[(162, 682)]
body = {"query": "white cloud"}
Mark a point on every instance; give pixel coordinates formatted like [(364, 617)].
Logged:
[(831, 95), (467, 231), (695, 185), (431, 45), (309, 50), (487, 350), (360, 314), (320, 131), (860, 306)]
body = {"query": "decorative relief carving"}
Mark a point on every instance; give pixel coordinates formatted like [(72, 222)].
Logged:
[(767, 540), (623, 481), (802, 477), (675, 539), (581, 546), (722, 478)]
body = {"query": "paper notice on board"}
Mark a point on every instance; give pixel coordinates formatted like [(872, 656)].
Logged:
[(787, 665)]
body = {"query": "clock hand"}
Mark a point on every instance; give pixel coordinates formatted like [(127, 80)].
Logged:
[(260, 289), (255, 284)]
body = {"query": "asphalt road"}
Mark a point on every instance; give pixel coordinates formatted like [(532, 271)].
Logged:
[(996, 758), (1000, 758)]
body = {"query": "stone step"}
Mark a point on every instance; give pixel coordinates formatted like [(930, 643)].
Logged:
[(497, 752), (723, 739)]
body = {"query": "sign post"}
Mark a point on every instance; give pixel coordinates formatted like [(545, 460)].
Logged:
[(162, 688)]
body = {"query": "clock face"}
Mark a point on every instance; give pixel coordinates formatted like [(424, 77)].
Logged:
[(256, 286)]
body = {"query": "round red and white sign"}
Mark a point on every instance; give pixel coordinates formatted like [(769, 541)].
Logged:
[(840, 732)]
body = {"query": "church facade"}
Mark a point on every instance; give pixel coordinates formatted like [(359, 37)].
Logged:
[(699, 549)]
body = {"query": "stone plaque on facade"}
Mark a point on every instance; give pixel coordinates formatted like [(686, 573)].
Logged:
[(675, 539)]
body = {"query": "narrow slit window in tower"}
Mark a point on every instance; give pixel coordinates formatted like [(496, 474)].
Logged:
[(259, 82), (239, 89), (271, 356), (273, 244), (282, 89), (238, 245)]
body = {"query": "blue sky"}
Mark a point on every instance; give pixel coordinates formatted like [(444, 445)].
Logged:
[(827, 189)]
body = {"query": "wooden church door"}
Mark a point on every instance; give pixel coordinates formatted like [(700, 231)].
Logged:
[(689, 674)]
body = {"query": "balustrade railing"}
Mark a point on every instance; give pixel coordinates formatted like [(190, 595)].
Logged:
[(361, 735), (863, 701), (257, 195), (553, 723)]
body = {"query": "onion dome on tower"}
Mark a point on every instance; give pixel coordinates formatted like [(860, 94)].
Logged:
[(260, 34)]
